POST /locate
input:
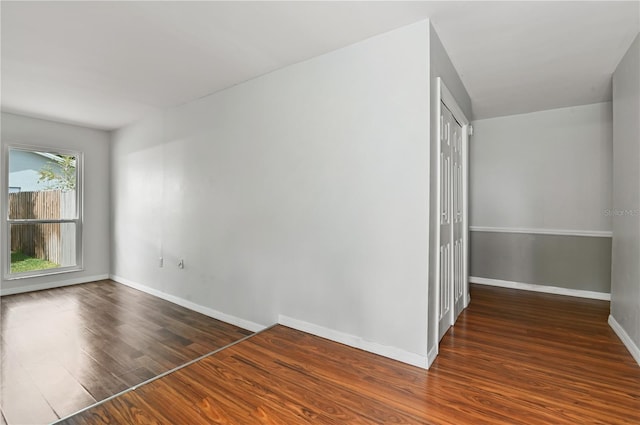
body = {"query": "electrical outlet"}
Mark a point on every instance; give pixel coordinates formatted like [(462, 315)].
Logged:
[(181, 264), (160, 262)]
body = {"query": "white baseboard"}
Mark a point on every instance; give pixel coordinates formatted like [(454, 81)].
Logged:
[(51, 285), (356, 342), (625, 338), (237, 321), (541, 288)]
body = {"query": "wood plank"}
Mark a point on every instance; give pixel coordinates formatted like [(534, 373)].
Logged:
[(514, 357), (99, 381), (61, 390), (22, 401), (259, 394), (82, 343)]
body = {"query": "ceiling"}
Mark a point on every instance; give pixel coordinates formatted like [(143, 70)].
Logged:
[(107, 64)]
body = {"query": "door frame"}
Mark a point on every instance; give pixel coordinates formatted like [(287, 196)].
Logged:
[(444, 96)]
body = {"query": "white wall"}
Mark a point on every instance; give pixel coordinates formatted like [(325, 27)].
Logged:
[(21, 130), (439, 66), (625, 273), (302, 193), (543, 170)]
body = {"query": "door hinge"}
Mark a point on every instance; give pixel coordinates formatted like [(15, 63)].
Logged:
[(470, 130)]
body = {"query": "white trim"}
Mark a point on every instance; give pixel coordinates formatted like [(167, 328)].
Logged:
[(431, 355), (78, 220), (51, 285), (465, 214), (558, 232), (625, 338), (356, 342), (541, 288), (448, 99), (435, 316), (245, 324)]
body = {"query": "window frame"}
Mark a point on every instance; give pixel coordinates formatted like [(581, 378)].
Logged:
[(78, 219)]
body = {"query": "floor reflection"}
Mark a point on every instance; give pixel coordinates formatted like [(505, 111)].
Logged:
[(64, 349)]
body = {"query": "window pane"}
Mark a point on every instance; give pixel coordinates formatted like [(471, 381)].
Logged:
[(42, 246), (42, 185)]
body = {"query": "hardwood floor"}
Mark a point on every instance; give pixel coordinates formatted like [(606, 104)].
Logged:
[(64, 349), (514, 357)]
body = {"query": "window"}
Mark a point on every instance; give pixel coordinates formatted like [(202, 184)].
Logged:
[(43, 212)]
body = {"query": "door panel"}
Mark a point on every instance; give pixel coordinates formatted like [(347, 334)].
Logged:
[(446, 233), (458, 224), (451, 244)]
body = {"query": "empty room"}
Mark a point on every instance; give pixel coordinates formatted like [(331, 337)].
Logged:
[(315, 212)]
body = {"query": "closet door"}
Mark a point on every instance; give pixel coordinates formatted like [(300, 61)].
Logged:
[(446, 221), (452, 227), (458, 225)]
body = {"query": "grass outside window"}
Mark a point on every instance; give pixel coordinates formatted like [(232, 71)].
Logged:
[(23, 263)]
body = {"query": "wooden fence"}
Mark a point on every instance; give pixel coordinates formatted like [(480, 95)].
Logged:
[(55, 242)]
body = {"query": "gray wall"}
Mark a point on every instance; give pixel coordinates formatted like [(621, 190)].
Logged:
[(24, 171), (546, 176), (625, 273), (440, 66), (21, 130), (303, 192), (573, 262)]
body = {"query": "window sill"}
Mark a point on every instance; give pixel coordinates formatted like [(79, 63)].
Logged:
[(46, 272)]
